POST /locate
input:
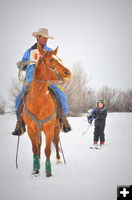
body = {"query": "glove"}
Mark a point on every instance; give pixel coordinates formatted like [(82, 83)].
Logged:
[(92, 110), (90, 121), (19, 63)]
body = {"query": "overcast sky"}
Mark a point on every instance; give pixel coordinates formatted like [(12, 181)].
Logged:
[(95, 33)]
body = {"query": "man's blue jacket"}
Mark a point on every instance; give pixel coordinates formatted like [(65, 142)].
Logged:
[(31, 54)]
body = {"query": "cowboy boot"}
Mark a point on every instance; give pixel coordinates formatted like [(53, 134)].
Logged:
[(20, 125), (20, 128), (65, 124)]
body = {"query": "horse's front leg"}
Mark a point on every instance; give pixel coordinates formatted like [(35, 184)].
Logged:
[(48, 137), (40, 143), (35, 149)]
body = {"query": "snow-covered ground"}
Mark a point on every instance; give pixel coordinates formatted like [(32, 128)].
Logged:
[(88, 174)]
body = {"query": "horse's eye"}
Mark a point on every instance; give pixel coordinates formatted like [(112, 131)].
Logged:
[(51, 59)]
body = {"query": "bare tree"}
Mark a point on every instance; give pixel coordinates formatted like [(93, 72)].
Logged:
[(14, 89), (76, 89), (2, 105), (108, 95), (127, 100)]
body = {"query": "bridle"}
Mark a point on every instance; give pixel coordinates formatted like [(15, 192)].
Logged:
[(53, 69)]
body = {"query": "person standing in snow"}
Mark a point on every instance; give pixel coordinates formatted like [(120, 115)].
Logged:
[(99, 114), (32, 53)]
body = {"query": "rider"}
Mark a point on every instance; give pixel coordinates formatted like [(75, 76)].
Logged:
[(32, 54)]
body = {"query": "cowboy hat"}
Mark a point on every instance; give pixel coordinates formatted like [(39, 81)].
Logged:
[(43, 32)]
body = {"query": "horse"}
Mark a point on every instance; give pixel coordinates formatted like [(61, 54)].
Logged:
[(39, 113)]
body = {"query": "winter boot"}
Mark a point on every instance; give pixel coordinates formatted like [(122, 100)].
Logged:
[(20, 125), (95, 145), (94, 142), (102, 144), (65, 125)]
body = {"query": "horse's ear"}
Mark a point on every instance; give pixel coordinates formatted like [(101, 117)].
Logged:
[(40, 49), (55, 51)]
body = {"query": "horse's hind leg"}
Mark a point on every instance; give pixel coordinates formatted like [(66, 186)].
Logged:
[(56, 142)]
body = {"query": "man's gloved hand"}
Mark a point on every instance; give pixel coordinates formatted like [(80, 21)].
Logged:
[(90, 121), (19, 63)]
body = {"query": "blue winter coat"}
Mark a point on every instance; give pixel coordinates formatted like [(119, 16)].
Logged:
[(99, 115), (30, 68)]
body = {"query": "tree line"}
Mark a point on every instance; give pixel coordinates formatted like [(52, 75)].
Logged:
[(81, 97)]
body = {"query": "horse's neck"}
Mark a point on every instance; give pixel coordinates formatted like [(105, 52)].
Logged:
[(39, 85), (39, 72), (38, 89)]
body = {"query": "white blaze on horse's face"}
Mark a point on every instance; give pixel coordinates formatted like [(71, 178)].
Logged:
[(59, 68), (59, 60)]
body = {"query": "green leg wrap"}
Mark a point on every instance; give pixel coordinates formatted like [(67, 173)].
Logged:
[(36, 163), (48, 168)]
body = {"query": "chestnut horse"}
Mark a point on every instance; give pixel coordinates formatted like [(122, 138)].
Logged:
[(39, 113)]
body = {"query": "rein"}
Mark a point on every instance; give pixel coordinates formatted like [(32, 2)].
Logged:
[(23, 64), (53, 70)]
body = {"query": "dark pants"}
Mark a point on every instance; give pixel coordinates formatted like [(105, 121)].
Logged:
[(99, 134)]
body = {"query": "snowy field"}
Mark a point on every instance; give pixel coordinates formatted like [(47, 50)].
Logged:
[(88, 175)]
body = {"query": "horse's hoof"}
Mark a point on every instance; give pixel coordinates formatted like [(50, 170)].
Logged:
[(35, 173), (48, 175), (58, 161)]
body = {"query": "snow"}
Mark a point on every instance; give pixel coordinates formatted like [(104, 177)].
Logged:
[(88, 174)]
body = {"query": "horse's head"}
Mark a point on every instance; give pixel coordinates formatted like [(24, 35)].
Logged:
[(51, 67)]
